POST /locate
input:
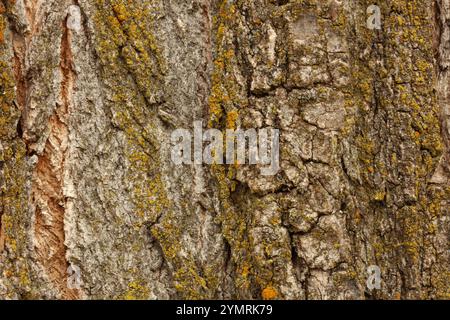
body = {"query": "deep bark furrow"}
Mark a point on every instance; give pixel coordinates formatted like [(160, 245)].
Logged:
[(91, 91)]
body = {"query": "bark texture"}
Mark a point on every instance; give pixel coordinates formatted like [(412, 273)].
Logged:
[(90, 91)]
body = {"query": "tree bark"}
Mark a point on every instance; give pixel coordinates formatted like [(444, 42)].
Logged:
[(91, 90)]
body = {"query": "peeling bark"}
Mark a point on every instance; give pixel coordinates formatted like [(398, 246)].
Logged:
[(91, 90), (48, 187)]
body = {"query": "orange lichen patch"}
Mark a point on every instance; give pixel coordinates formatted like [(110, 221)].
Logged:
[(232, 117), (121, 12), (269, 293), (2, 27), (245, 270)]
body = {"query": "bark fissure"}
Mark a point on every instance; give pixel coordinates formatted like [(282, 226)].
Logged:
[(48, 188), (99, 87)]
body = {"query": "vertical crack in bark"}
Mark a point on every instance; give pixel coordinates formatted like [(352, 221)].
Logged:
[(19, 52), (49, 182), (442, 16), (2, 233), (2, 40)]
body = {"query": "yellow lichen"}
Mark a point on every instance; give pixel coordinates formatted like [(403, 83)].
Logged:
[(136, 291)]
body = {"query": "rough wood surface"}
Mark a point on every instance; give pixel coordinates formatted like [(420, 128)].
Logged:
[(91, 90)]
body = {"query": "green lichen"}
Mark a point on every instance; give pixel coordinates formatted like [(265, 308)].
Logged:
[(134, 68), (224, 103), (13, 193), (408, 115), (255, 262), (137, 290)]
